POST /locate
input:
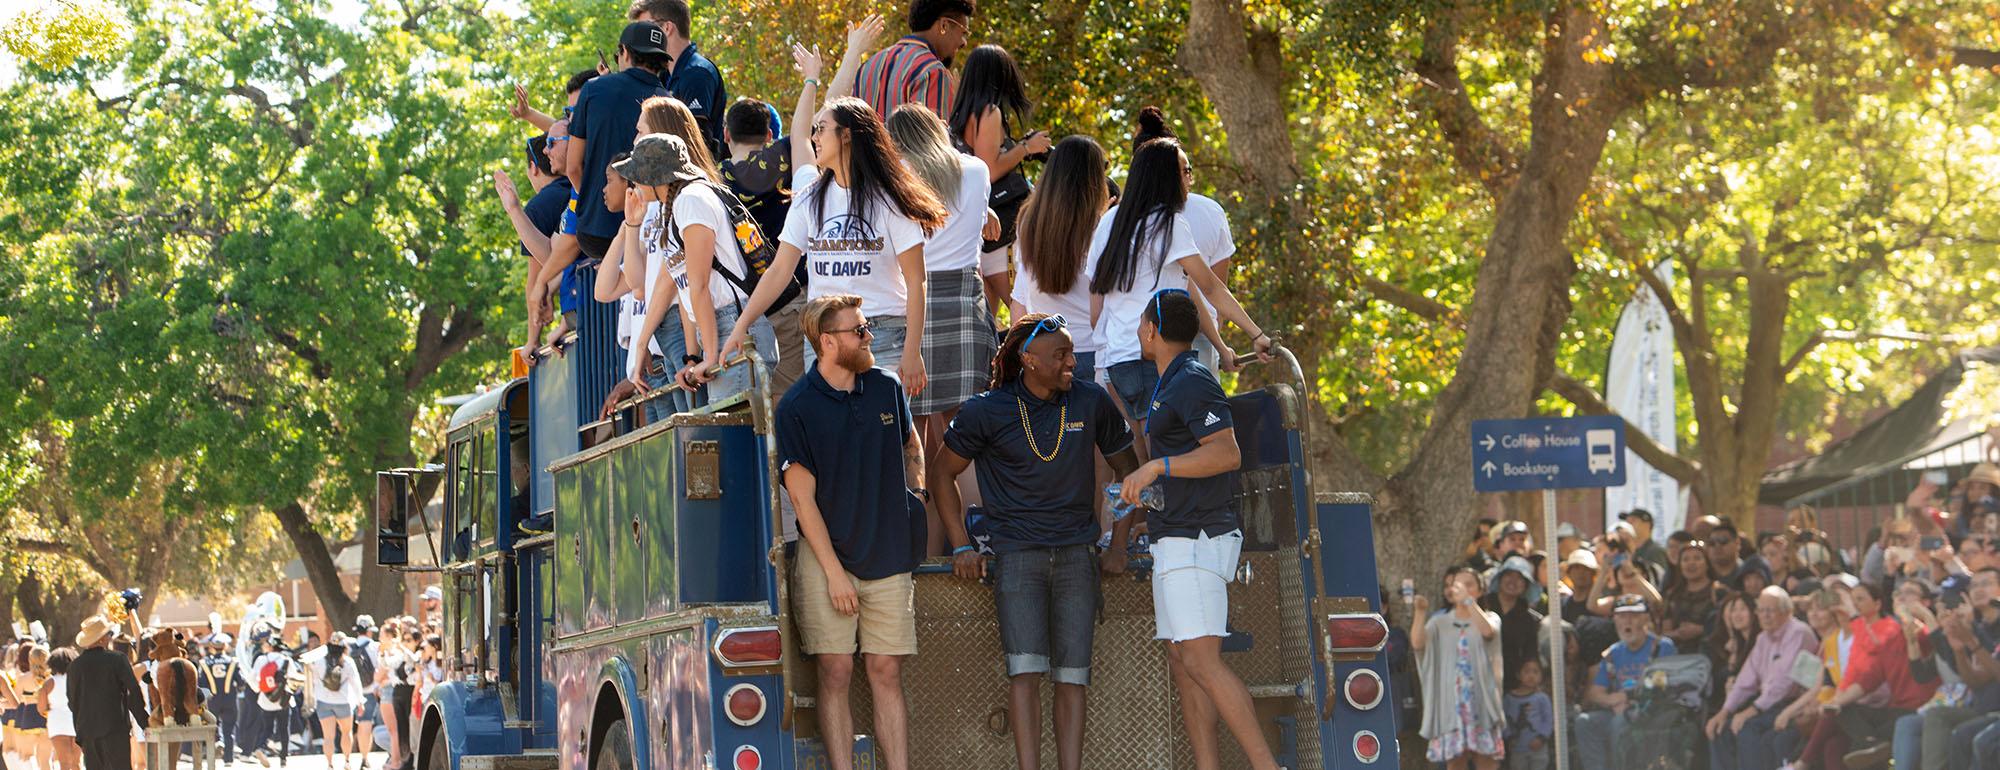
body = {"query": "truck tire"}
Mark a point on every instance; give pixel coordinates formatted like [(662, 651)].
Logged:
[(615, 751), (434, 756)]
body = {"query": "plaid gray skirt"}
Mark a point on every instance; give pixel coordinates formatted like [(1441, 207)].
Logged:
[(959, 341)]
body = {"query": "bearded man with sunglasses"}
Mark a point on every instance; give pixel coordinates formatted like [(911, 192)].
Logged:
[(1036, 433), (854, 469)]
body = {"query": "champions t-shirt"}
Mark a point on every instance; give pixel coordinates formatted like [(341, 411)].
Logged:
[(1187, 407), (1031, 502), (1117, 325), (955, 246), (846, 253), (699, 204)]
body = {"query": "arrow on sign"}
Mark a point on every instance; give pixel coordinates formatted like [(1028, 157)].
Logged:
[(1488, 468), (1487, 443)]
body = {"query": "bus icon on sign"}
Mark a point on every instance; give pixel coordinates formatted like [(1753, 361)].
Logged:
[(1603, 447)]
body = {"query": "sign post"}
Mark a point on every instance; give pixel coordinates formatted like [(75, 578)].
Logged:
[(1550, 454)]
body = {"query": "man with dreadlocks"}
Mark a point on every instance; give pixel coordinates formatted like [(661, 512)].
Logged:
[(1035, 433)]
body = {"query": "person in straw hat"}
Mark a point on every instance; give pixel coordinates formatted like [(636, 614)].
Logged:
[(104, 698)]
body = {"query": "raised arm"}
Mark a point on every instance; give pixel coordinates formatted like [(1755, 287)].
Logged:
[(807, 61), (861, 37), (531, 237)]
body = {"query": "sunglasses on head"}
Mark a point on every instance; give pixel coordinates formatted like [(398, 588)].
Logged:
[(1050, 323), (1158, 319)]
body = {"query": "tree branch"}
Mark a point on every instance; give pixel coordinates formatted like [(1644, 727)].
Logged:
[(1977, 58), (54, 548), (305, 352), (1422, 306), (1475, 146), (1798, 356), (1586, 399)]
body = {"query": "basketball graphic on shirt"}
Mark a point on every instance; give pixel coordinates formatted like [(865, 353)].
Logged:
[(845, 247)]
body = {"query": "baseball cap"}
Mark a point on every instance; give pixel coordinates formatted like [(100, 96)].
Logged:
[(1508, 527), (1629, 604), (658, 159), (1566, 530), (1581, 557), (1637, 513), (643, 37), (433, 592)]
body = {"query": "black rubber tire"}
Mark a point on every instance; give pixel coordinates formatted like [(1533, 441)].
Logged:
[(435, 757), (614, 752)]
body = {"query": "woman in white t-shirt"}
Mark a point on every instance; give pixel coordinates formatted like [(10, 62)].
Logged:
[(1054, 238), (696, 245), (334, 685), (859, 219), (1141, 247), (1207, 221)]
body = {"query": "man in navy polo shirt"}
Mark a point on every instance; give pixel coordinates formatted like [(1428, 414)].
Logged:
[(850, 455), (1035, 435), (1197, 538), (694, 80), (604, 123)]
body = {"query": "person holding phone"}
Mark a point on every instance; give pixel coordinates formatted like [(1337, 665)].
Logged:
[(992, 103)]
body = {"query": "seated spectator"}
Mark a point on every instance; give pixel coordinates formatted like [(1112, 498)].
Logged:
[(1827, 615), (1458, 654), (1777, 552), (1961, 665), (1693, 596), (1728, 647), (1725, 553), (1530, 719), (1593, 631), (1642, 543), (1702, 526), (1568, 540), (1882, 655), (1609, 695), (1762, 687), (1510, 539), (1513, 594), (1753, 577), (1625, 577), (1675, 542)]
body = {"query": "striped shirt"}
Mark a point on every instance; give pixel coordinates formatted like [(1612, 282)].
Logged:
[(905, 72)]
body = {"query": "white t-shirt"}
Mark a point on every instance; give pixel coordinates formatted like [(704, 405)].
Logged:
[(845, 254), (1117, 324), (698, 205), (1210, 226), (349, 690), (1073, 306), (955, 246), (631, 311)]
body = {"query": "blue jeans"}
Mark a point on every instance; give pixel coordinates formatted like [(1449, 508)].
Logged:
[(673, 345), (735, 379), (1086, 366), (1964, 738), (1597, 732), (1749, 748), (1906, 742)]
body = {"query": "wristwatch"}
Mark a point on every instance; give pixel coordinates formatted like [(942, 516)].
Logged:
[(922, 492)]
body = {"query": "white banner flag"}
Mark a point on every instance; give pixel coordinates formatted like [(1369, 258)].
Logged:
[(1639, 385)]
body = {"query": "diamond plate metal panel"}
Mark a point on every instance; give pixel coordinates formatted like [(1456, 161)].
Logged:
[(956, 686)]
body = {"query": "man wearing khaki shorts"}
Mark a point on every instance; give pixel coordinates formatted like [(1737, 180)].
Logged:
[(850, 454)]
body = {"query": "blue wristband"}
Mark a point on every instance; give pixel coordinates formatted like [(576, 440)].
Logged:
[(1167, 467), (963, 549)]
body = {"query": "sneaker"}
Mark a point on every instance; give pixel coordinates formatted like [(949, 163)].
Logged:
[(1868, 757)]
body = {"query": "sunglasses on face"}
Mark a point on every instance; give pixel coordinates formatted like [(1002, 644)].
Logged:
[(861, 331)]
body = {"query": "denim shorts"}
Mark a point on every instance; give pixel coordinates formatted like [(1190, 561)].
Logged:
[(1086, 366), (341, 711), (1132, 382), (371, 710), (735, 379), (1047, 599), (669, 336)]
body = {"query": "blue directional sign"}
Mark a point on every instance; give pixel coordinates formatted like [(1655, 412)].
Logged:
[(1548, 453)]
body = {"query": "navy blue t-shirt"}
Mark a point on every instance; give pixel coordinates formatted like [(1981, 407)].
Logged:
[(853, 445), (607, 119), (1187, 407), (1031, 503), (545, 210), (698, 84)]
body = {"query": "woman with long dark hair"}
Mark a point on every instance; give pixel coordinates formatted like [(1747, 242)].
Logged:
[(1728, 647), (1055, 228), (1140, 247), (992, 100), (859, 219), (1694, 594), (1205, 217)]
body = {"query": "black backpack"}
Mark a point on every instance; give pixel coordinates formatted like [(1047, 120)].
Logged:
[(758, 251), (363, 662)]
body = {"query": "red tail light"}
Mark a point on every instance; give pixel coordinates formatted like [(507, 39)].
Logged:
[(747, 758), (740, 647), (1363, 689), (1367, 747), (744, 704), (1356, 633)]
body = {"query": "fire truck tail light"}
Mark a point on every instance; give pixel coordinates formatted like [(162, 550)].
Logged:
[(747, 758), (1356, 633), (1363, 689), (744, 704), (739, 647), (1367, 747)]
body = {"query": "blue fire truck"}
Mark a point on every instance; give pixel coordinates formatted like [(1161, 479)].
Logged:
[(649, 628)]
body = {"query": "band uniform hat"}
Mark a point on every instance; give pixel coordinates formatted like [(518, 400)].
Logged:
[(94, 631), (643, 37), (658, 159)]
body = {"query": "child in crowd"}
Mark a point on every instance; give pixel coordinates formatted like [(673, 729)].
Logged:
[(1530, 719)]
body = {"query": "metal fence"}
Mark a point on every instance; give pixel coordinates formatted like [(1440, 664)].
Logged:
[(1849, 509)]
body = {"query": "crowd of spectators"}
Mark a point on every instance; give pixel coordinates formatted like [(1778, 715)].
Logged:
[(1714, 649)]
